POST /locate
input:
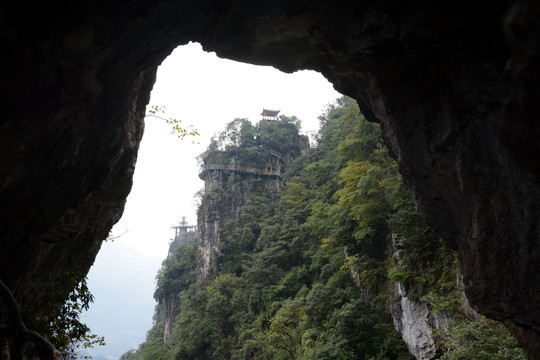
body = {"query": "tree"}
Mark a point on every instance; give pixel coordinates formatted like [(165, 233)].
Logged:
[(483, 339), (63, 326)]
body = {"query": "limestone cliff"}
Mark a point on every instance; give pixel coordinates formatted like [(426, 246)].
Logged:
[(231, 179), (184, 232), (416, 323), (422, 327), (225, 194), (232, 176), (413, 318)]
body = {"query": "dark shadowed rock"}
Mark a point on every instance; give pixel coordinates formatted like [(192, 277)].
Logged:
[(455, 86)]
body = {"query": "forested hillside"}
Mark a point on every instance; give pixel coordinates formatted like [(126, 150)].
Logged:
[(312, 254)]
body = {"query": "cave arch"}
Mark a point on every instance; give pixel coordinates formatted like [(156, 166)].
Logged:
[(454, 87)]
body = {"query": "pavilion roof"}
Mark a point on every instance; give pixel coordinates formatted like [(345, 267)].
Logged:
[(269, 112)]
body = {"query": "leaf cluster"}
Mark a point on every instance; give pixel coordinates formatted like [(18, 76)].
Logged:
[(177, 128), (67, 298)]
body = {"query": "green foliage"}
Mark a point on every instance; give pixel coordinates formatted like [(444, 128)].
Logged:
[(174, 279), (303, 266), (152, 348), (481, 340), (62, 325), (246, 145), (398, 275), (177, 272)]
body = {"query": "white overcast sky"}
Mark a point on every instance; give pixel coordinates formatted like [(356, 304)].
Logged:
[(208, 92), (203, 90)]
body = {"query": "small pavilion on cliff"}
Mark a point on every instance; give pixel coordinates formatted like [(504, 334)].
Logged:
[(270, 115), (183, 227)]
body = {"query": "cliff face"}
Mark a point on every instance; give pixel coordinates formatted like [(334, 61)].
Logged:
[(416, 323), (225, 194), (413, 318), (453, 84), (170, 304), (250, 166)]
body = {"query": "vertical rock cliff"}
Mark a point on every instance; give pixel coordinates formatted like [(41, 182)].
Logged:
[(226, 191), (427, 318), (413, 318), (416, 323), (184, 233), (247, 167), (244, 160)]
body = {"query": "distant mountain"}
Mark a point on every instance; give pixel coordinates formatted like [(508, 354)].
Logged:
[(122, 282)]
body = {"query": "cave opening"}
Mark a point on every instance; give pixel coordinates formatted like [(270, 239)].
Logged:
[(201, 90), (455, 87)]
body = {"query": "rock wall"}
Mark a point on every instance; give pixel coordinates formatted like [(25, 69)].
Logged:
[(234, 172), (225, 193), (209, 221), (171, 303), (416, 323), (454, 85), (413, 318), (170, 311)]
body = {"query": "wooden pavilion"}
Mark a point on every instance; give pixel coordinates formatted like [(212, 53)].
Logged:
[(270, 115)]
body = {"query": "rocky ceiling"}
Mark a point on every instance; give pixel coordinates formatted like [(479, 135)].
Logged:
[(454, 84)]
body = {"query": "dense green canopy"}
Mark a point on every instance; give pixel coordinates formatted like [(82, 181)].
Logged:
[(307, 275)]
